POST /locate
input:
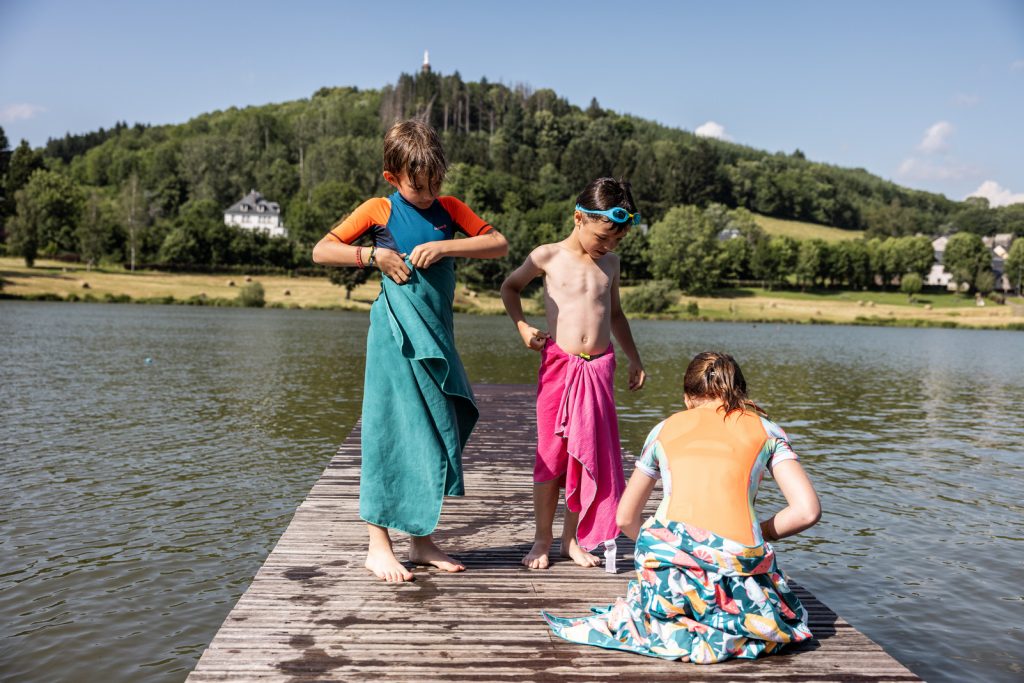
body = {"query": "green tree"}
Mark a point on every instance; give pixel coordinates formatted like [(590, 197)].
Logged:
[(24, 161), (985, 282), (965, 257), (910, 284), (811, 262), (684, 249), (774, 260), (252, 296), (915, 254), (1014, 268), (49, 209)]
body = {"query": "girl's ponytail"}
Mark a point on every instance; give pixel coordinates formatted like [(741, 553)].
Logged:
[(714, 375)]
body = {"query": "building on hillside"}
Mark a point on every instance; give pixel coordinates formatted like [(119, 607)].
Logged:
[(998, 245), (938, 276), (253, 212)]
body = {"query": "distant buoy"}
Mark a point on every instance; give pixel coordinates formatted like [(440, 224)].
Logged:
[(149, 361)]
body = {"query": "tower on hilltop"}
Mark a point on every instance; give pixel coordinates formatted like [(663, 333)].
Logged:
[(426, 62)]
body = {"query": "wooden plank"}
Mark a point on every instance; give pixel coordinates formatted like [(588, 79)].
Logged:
[(313, 613)]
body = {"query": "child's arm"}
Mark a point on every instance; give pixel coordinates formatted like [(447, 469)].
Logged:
[(511, 291), (620, 328), (803, 510), (335, 249), (491, 244), (631, 505)]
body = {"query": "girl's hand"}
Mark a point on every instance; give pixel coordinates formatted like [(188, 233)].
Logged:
[(392, 264), (427, 254), (533, 338), (637, 376)]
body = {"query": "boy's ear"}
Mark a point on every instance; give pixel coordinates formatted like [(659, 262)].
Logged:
[(391, 178)]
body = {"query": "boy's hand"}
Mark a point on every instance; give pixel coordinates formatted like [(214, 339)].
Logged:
[(427, 254), (392, 264), (533, 338), (637, 376)]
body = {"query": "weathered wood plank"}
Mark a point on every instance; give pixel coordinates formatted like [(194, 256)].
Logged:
[(313, 613)]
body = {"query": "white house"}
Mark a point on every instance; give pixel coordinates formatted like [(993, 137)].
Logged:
[(253, 212), (998, 245)]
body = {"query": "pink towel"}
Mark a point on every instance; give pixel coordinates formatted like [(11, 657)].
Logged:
[(578, 438)]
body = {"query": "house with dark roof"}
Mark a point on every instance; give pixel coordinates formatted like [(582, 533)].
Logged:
[(254, 212)]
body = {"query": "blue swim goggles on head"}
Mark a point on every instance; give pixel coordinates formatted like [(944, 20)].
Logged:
[(617, 214)]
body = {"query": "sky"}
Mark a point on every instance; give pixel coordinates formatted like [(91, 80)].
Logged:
[(927, 94)]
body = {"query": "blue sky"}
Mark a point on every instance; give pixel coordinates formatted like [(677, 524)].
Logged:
[(928, 94)]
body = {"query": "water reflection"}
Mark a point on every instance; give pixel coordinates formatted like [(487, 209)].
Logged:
[(138, 500)]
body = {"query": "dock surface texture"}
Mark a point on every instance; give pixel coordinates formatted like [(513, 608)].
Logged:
[(314, 613)]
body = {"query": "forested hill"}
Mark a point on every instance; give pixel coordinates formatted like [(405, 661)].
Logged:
[(518, 155)]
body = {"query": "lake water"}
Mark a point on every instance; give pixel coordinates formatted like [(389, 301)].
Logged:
[(137, 499)]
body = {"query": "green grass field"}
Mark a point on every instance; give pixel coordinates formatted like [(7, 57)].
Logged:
[(805, 231)]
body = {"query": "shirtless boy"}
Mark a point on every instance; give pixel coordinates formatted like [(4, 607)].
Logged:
[(577, 428)]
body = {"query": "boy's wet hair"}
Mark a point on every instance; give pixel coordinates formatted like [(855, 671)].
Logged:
[(413, 148), (607, 193), (716, 375)]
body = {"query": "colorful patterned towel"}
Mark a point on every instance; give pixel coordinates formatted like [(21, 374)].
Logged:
[(696, 595), (418, 408)]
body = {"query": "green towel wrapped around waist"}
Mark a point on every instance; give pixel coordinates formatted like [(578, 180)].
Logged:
[(418, 406)]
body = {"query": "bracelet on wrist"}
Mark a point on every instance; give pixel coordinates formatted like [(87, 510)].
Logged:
[(373, 255), (359, 257)]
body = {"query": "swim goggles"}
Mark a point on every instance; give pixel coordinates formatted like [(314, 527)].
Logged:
[(617, 214)]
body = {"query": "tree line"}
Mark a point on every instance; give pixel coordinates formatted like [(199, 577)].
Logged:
[(144, 194)]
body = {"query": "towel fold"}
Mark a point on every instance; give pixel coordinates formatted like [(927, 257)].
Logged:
[(696, 595), (418, 406), (578, 438)]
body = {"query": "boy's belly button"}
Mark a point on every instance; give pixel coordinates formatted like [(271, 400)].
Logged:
[(584, 339)]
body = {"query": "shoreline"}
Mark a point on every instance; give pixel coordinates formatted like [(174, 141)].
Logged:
[(74, 283)]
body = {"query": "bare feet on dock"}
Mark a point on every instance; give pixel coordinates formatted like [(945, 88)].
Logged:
[(385, 566), (574, 552), (424, 551), (537, 558)]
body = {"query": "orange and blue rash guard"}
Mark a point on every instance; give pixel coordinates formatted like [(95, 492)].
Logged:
[(396, 224), (711, 466)]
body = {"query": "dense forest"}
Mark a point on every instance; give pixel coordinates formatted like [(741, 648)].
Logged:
[(154, 195)]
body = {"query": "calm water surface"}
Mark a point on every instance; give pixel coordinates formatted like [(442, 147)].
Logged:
[(137, 499)]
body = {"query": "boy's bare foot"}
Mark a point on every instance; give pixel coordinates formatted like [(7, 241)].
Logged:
[(385, 566), (574, 552), (537, 558), (424, 551)]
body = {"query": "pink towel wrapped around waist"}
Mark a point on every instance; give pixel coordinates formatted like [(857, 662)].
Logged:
[(578, 438)]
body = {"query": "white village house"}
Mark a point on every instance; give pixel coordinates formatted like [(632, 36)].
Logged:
[(998, 245), (253, 212)]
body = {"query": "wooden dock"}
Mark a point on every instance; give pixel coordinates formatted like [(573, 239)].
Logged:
[(313, 613)]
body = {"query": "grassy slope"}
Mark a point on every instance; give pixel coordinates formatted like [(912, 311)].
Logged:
[(805, 231)]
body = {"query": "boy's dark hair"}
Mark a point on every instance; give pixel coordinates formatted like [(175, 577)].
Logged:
[(606, 193), (711, 375), (413, 148)]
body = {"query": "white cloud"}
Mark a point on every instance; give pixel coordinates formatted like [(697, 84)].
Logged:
[(1017, 65), (962, 99), (997, 195), (712, 130), (19, 112), (917, 169), (935, 137)]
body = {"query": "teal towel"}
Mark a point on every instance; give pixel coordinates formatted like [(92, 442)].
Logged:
[(418, 406)]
